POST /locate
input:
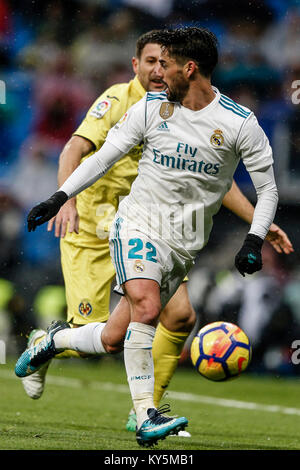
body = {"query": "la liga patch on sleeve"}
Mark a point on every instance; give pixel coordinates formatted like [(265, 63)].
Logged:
[(101, 109)]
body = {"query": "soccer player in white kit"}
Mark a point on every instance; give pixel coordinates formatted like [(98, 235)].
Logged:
[(193, 138)]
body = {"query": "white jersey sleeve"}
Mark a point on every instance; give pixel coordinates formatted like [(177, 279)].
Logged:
[(253, 146), (130, 129), (267, 199), (91, 169)]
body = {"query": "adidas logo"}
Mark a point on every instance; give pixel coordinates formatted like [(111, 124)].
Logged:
[(163, 127)]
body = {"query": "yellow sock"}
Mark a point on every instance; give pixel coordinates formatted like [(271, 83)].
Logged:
[(166, 350), (68, 353), (64, 354), (37, 341)]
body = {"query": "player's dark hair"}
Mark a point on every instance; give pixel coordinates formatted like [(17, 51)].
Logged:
[(198, 44), (151, 37)]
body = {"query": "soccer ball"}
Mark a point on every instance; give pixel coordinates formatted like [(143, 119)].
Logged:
[(220, 351)]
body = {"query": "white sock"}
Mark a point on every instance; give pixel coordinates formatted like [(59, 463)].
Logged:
[(139, 367), (85, 339)]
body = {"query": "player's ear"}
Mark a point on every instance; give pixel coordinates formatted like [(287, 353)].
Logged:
[(135, 63), (190, 68)]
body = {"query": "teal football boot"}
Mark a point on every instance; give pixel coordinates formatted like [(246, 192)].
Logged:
[(37, 356), (158, 426)]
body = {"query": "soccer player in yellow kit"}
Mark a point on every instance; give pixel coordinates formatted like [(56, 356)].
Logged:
[(83, 225)]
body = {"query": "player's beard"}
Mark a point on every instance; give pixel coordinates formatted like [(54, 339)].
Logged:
[(179, 88)]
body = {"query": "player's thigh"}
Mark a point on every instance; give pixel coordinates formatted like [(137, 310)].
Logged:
[(178, 314), (88, 273)]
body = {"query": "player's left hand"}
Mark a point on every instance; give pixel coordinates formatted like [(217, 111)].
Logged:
[(45, 210), (67, 218), (279, 240), (248, 260)]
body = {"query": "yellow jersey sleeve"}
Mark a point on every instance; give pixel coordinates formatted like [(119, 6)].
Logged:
[(102, 115)]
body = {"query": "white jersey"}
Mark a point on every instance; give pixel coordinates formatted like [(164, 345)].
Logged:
[(188, 162)]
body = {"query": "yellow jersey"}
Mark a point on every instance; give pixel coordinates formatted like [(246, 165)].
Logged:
[(97, 204)]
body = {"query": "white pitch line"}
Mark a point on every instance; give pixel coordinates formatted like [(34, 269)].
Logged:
[(190, 397)]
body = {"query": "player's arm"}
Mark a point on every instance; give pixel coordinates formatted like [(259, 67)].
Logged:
[(240, 205), (74, 150), (125, 135)]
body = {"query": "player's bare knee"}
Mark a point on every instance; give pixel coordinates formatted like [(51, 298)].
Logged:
[(145, 310), (190, 318), (111, 344), (181, 319), (113, 349), (187, 321)]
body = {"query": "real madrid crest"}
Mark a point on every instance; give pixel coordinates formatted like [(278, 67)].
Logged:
[(217, 139), (166, 110), (139, 267)]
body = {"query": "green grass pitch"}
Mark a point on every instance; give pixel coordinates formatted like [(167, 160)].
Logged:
[(85, 407)]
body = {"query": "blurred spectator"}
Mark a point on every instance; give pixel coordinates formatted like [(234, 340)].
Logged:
[(5, 20), (59, 98), (157, 8), (11, 222), (49, 304), (241, 62), (15, 319), (41, 54), (100, 48), (281, 42), (291, 295), (34, 176)]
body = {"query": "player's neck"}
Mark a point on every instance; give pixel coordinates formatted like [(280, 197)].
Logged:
[(200, 94)]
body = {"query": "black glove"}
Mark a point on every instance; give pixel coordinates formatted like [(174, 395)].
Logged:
[(45, 210), (248, 260)]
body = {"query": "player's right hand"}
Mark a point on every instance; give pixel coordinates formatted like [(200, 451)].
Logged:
[(67, 217), (45, 210)]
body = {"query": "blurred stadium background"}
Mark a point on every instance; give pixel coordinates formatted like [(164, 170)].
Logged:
[(56, 57)]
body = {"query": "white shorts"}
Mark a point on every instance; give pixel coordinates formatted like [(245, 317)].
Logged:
[(136, 256)]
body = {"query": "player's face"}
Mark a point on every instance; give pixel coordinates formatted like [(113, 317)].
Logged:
[(173, 76), (148, 69)]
